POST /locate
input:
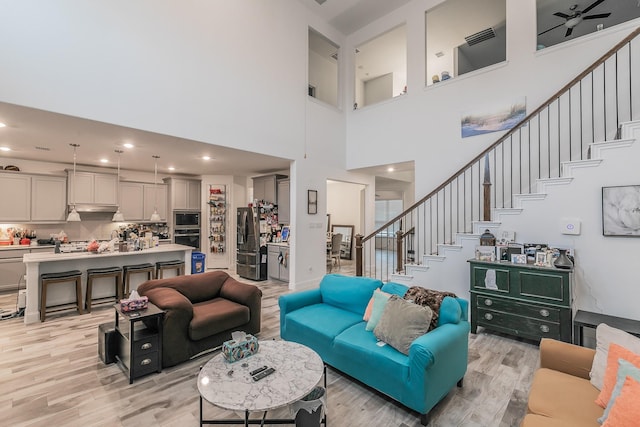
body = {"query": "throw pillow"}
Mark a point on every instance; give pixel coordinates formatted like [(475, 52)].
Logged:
[(625, 411), (402, 322), (616, 352), (379, 302), (625, 369), (429, 298), (605, 335), (369, 309)]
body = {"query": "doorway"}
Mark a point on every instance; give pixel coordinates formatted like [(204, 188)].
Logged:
[(345, 211)]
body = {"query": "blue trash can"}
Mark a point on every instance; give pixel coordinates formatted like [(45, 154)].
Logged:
[(197, 262)]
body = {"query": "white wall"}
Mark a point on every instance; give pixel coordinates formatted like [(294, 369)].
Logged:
[(323, 74), (343, 203)]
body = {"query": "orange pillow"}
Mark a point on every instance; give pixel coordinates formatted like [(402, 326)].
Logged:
[(615, 352), (625, 411)]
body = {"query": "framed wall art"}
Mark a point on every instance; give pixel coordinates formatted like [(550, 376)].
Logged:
[(621, 211), (312, 202)]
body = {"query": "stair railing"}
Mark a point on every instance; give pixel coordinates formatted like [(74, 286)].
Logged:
[(589, 108)]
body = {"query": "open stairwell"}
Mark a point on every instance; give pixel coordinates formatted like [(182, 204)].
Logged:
[(536, 217)]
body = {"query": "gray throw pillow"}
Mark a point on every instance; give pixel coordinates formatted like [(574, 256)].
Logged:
[(402, 322)]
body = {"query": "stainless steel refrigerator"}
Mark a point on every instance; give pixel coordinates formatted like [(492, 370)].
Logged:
[(251, 258)]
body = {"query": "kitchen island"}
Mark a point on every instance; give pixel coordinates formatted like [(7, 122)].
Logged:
[(39, 263)]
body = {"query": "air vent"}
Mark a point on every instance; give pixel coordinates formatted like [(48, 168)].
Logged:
[(335, 56), (320, 2), (480, 36), (439, 54), (43, 148)]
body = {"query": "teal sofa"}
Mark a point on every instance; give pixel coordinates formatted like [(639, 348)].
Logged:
[(329, 320)]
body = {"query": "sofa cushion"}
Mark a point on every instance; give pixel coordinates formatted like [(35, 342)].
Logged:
[(215, 316), (348, 293), (316, 325), (625, 369), (450, 311), (534, 420), (356, 343), (563, 397), (616, 353), (430, 298), (379, 303), (402, 322), (625, 410), (395, 288), (605, 335)]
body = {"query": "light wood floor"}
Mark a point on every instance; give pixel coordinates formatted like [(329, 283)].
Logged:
[(51, 375)]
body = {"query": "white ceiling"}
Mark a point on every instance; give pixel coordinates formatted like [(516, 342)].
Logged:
[(44, 136)]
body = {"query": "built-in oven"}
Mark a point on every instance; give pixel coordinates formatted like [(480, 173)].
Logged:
[(188, 237), (186, 219)]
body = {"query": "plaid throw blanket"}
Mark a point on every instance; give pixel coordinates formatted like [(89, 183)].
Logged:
[(430, 298)]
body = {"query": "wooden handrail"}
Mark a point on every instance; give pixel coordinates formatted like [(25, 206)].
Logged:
[(513, 130)]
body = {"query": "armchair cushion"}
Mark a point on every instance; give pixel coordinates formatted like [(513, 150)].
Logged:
[(215, 316)]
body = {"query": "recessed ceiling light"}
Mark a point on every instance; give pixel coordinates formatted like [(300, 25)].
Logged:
[(104, 161), (2, 125), (5, 149), (390, 169), (128, 145), (206, 158), (171, 168)]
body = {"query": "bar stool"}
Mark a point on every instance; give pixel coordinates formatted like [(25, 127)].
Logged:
[(96, 273), (47, 279), (175, 264), (128, 270)]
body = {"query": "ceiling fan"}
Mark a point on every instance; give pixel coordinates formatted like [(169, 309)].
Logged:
[(576, 17)]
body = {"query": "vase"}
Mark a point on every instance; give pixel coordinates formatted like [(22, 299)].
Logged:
[(563, 260)]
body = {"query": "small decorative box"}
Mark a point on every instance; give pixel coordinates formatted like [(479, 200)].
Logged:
[(233, 350), (134, 304)]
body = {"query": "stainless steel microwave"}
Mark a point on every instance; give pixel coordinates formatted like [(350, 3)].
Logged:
[(185, 219)]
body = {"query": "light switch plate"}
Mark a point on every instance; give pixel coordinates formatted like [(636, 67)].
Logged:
[(570, 226)]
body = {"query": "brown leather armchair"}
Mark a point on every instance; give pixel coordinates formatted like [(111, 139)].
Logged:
[(201, 312)]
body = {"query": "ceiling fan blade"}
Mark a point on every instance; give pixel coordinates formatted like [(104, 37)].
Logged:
[(562, 15), (592, 5), (598, 16), (569, 31), (552, 28)]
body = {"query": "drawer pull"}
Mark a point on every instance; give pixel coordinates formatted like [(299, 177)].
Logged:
[(488, 302), (544, 313), (544, 328), (488, 316), (148, 345), (145, 362)]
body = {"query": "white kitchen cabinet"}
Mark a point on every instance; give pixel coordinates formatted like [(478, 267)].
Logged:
[(284, 205), (138, 200), (16, 195), (266, 187), (48, 198), (89, 188), (278, 262), (132, 200), (184, 194), (150, 200)]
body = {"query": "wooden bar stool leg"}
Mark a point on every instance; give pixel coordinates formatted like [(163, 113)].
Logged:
[(119, 289), (79, 294), (88, 296), (43, 301)]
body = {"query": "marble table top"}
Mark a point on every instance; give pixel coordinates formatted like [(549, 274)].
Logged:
[(229, 385)]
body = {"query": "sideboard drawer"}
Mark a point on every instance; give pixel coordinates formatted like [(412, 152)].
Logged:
[(549, 314), (518, 325)]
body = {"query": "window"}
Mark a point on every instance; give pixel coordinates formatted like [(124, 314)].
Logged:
[(381, 68), (457, 45), (323, 68), (386, 210)]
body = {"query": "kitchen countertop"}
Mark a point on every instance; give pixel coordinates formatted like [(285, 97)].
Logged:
[(281, 244), (22, 247), (49, 257)]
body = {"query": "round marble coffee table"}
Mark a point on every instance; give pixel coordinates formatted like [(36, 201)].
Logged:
[(298, 369)]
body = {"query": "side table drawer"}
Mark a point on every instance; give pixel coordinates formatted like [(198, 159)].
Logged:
[(145, 364), (146, 345), (547, 314), (518, 325)]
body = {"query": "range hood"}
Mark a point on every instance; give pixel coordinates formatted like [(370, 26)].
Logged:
[(89, 207)]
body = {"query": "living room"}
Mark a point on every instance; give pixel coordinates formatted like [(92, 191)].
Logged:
[(203, 78)]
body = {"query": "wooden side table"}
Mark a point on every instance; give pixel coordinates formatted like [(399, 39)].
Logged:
[(587, 319), (140, 340)]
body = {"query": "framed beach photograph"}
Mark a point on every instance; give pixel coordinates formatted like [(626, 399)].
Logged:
[(621, 211), (519, 258)]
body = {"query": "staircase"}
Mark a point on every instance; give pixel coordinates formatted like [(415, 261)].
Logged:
[(586, 126)]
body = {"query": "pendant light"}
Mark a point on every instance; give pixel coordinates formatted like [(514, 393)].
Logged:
[(155, 217), (74, 216), (118, 216)]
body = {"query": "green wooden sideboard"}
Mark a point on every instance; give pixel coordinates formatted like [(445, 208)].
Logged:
[(521, 299)]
